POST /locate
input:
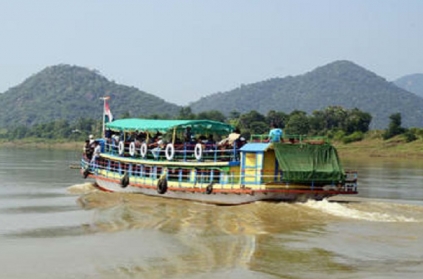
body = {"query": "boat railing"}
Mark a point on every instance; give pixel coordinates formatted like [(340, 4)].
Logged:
[(173, 152), (286, 138)]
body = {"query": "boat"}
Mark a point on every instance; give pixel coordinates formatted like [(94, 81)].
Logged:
[(148, 156)]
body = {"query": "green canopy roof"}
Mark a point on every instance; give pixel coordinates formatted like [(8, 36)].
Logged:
[(163, 126)]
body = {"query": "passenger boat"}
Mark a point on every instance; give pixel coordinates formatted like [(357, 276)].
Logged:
[(296, 169)]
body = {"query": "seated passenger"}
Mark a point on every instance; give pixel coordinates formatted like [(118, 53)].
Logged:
[(240, 142), (229, 141), (156, 147), (187, 134)]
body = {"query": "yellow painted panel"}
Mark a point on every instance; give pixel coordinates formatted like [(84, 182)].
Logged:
[(250, 160), (251, 175), (269, 167), (259, 158)]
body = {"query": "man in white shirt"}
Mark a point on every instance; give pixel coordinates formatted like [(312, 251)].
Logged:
[(96, 153)]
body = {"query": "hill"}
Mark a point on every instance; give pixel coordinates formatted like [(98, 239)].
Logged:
[(70, 92), (412, 83), (339, 83)]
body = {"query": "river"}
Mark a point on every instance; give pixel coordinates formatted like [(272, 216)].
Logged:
[(54, 224)]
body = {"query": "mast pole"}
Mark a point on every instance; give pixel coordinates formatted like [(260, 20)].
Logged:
[(104, 115)]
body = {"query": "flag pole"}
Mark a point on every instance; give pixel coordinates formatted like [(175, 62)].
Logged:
[(104, 115)]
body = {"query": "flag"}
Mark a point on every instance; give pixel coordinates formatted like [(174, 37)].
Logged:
[(108, 116)]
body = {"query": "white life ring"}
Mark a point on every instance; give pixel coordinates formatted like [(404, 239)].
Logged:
[(143, 149), (121, 147), (198, 151), (170, 151), (132, 149)]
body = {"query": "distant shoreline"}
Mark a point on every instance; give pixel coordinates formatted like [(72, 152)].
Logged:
[(377, 148), (367, 148), (62, 145)]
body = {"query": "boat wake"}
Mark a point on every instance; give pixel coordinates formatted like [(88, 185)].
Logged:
[(369, 211), (81, 188)]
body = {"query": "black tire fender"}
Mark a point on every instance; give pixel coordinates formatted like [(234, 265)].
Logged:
[(209, 189), (124, 182), (162, 186)]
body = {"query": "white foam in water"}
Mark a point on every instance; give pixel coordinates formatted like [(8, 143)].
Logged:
[(81, 188), (342, 210)]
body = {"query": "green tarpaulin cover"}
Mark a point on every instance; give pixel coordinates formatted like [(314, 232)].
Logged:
[(309, 163)]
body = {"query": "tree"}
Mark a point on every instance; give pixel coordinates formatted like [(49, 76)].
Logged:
[(277, 117), (185, 113), (298, 123), (394, 128), (246, 119), (357, 121), (212, 115)]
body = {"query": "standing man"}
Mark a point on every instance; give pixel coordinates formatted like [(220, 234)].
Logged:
[(275, 133), (96, 153)]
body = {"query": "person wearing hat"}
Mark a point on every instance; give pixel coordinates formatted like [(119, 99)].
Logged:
[(91, 138)]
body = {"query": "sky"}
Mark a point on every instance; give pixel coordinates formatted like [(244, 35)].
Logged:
[(182, 50)]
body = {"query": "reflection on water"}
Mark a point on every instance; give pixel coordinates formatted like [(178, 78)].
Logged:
[(122, 211), (389, 178), (267, 238)]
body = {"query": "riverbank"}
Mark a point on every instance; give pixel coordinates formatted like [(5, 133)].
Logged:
[(369, 147), (43, 144), (377, 147)]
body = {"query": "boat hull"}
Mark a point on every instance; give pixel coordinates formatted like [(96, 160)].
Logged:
[(233, 196)]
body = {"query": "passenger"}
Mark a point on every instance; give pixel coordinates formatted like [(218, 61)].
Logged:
[(141, 137), (115, 139), (157, 135), (210, 141), (275, 133), (131, 137), (108, 134), (178, 144), (96, 154), (87, 150), (210, 145), (241, 142), (91, 139), (232, 137), (202, 139), (156, 147), (187, 134)]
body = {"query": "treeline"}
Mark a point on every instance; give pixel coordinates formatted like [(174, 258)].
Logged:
[(335, 122)]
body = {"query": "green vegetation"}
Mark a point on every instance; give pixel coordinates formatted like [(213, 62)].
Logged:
[(340, 83), (61, 104), (352, 138), (66, 92), (334, 122), (69, 93)]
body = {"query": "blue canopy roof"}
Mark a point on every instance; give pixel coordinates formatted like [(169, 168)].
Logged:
[(255, 147)]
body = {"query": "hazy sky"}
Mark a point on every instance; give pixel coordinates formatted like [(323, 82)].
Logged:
[(183, 50)]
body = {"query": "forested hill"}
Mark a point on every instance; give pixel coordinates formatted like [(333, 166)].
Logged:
[(339, 83), (70, 92), (412, 83)]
